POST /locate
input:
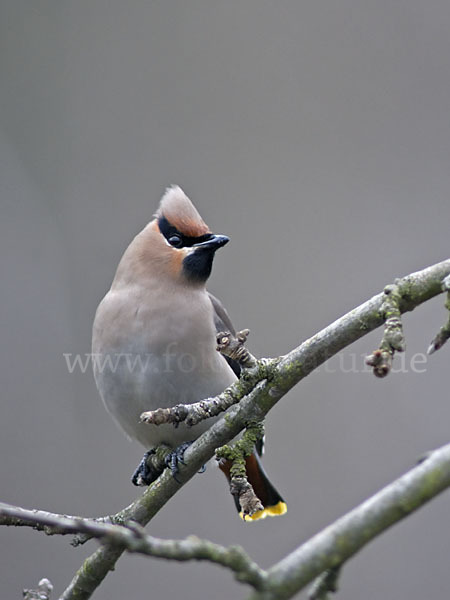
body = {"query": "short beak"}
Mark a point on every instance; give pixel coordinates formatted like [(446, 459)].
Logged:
[(214, 243)]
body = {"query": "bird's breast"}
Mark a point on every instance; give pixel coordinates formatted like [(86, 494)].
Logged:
[(156, 354)]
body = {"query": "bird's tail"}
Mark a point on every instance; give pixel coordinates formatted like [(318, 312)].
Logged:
[(271, 500)]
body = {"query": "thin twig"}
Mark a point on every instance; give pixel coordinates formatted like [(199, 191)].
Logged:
[(393, 339), (37, 519), (233, 346), (444, 333), (43, 591), (325, 584)]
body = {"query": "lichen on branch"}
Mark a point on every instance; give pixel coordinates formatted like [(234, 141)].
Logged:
[(237, 454), (393, 339)]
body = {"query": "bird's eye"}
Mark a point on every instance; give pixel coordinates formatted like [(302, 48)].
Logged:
[(176, 241)]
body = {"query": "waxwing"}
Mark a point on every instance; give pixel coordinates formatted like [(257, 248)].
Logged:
[(154, 334)]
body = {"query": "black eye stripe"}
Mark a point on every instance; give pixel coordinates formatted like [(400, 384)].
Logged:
[(166, 228), (169, 231)]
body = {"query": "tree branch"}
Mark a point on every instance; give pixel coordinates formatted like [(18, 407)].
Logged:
[(41, 520), (257, 396), (321, 556), (414, 289), (132, 537), (337, 543)]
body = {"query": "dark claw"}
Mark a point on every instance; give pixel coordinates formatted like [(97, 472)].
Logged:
[(144, 474), (176, 457)]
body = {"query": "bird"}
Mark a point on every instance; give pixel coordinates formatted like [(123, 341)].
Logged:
[(154, 336)]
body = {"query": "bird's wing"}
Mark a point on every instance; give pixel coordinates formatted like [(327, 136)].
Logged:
[(221, 317), (223, 322)]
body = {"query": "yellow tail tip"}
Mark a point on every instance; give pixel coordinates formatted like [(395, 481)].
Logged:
[(269, 511)]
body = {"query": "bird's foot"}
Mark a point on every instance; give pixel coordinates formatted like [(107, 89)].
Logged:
[(146, 472), (175, 457), (156, 459)]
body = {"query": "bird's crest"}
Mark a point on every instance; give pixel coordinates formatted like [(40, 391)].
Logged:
[(179, 211)]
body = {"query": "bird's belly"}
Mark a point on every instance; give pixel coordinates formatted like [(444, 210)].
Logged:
[(133, 383)]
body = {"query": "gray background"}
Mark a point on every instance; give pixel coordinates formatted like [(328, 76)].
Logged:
[(317, 135)]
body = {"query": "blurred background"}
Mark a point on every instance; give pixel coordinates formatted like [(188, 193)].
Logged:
[(316, 135)]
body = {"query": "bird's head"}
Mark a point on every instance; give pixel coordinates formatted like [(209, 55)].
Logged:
[(183, 239), (176, 247)]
